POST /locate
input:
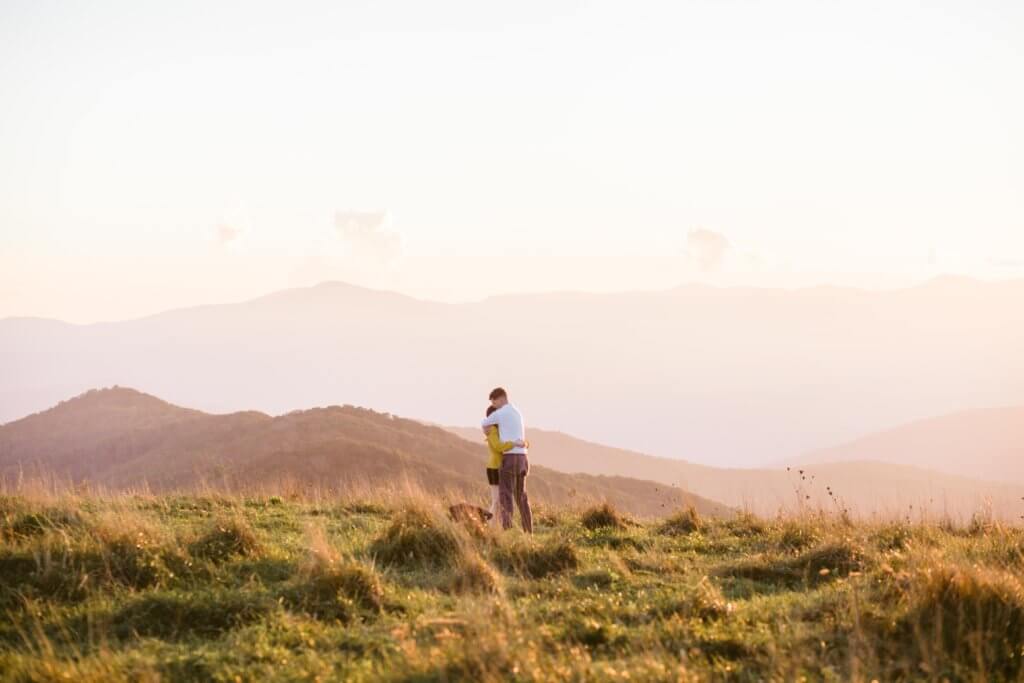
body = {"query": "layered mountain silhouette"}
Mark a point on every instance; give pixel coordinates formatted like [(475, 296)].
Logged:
[(716, 375), (986, 444), (123, 438), (862, 487)]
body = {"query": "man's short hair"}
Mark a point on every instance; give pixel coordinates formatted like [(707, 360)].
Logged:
[(497, 393)]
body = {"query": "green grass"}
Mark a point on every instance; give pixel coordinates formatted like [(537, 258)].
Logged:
[(214, 587)]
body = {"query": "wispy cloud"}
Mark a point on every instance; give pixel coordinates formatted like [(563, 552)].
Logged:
[(707, 249), (233, 226), (226, 234), (368, 237)]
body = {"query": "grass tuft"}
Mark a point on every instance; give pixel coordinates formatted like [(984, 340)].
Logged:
[(417, 538), (745, 524), (892, 536), (703, 601), (29, 524), (339, 591), (526, 557), (603, 516), (962, 622), (796, 534), (68, 567), (473, 575), (332, 587), (818, 565), (171, 615), (682, 523), (226, 539)]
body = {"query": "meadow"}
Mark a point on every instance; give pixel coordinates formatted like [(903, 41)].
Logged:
[(384, 587)]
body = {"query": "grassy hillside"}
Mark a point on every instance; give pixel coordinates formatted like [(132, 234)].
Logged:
[(863, 488), (125, 439), (230, 588)]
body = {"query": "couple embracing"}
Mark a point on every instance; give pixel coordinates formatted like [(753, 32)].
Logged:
[(508, 464)]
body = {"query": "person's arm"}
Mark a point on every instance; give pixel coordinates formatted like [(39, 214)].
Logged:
[(496, 444), (491, 420)]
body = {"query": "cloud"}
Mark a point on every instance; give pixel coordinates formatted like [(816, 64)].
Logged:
[(226, 233), (233, 227), (707, 249), (367, 236)]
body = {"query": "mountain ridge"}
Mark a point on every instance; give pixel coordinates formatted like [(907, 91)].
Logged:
[(731, 364), (123, 438), (863, 487), (938, 281), (951, 442)]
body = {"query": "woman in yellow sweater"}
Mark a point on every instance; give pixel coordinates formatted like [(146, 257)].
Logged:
[(497, 448)]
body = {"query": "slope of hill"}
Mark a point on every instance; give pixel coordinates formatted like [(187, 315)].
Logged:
[(862, 487), (754, 375), (124, 438), (988, 444)]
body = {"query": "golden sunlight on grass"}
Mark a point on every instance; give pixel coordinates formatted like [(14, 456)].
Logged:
[(385, 587)]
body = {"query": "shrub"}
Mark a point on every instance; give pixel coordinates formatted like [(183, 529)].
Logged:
[(684, 522), (603, 516), (415, 538), (226, 539)]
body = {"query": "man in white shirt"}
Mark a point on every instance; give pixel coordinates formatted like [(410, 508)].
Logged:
[(514, 463)]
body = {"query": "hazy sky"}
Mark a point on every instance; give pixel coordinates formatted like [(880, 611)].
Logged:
[(164, 154)]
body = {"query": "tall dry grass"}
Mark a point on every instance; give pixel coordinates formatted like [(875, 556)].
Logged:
[(592, 595)]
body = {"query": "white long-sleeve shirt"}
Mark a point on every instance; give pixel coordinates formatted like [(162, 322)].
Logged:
[(510, 425)]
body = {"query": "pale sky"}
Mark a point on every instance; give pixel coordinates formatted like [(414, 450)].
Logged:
[(155, 155)]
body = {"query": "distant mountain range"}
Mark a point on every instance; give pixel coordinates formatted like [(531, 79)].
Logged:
[(984, 444), (737, 376), (122, 438), (864, 487)]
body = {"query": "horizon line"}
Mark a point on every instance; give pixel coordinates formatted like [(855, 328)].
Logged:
[(692, 284)]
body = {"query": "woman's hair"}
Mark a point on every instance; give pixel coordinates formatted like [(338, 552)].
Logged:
[(490, 409)]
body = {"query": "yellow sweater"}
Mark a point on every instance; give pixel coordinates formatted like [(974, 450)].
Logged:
[(498, 447)]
